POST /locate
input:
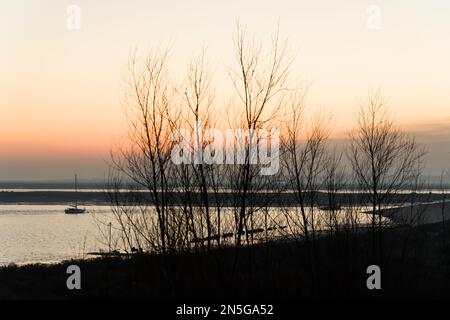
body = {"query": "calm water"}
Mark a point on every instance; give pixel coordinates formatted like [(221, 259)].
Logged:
[(43, 233)]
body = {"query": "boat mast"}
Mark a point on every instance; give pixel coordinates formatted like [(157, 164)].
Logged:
[(76, 191)]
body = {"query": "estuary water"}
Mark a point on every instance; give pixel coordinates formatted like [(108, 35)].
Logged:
[(44, 233), (34, 233)]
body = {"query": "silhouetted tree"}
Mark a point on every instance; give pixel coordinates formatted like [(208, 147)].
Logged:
[(384, 160)]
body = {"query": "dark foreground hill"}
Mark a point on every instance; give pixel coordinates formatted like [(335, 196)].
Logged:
[(416, 266)]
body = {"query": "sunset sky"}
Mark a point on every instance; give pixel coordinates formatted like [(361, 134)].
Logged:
[(59, 88)]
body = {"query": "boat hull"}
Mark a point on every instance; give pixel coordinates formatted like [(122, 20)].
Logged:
[(74, 211)]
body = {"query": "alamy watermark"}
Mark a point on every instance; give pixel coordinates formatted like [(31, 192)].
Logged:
[(73, 281), (373, 21), (232, 146), (73, 21), (374, 280)]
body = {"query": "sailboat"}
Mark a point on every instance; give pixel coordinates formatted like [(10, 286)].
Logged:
[(73, 209)]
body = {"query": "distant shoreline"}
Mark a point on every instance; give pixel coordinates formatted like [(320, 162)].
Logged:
[(273, 199)]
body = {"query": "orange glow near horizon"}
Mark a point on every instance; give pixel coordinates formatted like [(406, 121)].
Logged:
[(60, 89)]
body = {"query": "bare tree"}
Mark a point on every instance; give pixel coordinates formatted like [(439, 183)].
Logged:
[(198, 97), (383, 159), (334, 181), (261, 80), (145, 159), (305, 159), (305, 163)]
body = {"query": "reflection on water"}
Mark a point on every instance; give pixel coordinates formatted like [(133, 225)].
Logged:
[(43, 233)]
